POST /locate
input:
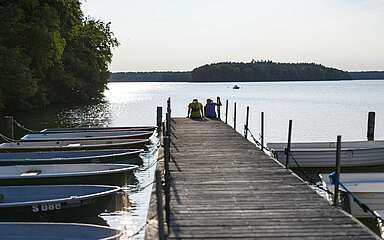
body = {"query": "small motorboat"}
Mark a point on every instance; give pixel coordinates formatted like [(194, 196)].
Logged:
[(87, 136), (54, 202), (130, 156), (323, 154), (367, 187), (97, 129), (73, 145), (56, 231), (236, 87), (57, 174)]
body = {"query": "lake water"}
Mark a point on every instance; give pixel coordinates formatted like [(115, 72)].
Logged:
[(320, 111)]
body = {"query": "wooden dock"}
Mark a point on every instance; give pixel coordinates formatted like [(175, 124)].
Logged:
[(222, 187)]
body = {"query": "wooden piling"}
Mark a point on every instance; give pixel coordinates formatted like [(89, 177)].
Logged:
[(246, 124), (371, 126), (226, 111), (262, 131), (168, 124), (9, 127), (159, 117), (159, 198), (337, 171), (218, 101), (167, 187), (234, 116), (288, 149)]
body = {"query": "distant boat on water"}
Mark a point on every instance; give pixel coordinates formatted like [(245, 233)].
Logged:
[(236, 87)]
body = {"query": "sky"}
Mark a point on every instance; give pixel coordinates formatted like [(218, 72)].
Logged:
[(179, 35)]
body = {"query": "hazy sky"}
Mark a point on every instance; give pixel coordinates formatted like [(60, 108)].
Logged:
[(182, 35)]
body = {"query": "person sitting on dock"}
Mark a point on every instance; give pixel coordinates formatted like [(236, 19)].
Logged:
[(210, 109), (195, 109)]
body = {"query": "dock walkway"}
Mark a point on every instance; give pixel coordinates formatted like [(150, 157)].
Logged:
[(222, 187)]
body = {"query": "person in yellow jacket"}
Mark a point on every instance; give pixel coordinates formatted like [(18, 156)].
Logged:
[(195, 109)]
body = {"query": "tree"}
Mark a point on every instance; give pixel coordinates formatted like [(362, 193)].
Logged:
[(51, 53)]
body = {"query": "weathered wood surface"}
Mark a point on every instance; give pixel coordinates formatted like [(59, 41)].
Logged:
[(222, 187)]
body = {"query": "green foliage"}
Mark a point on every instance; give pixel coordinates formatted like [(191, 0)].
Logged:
[(50, 53), (266, 71)]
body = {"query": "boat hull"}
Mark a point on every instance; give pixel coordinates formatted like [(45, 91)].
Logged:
[(327, 158), (97, 129), (62, 211), (73, 145), (115, 156), (57, 203), (116, 179), (35, 137), (56, 231)]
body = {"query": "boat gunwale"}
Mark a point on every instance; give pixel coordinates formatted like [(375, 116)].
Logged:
[(149, 133), (57, 146), (128, 167), (120, 154), (69, 200), (119, 233)]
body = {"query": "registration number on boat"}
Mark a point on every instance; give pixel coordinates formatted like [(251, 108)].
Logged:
[(46, 207)]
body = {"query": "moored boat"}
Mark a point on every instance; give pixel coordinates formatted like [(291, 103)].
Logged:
[(73, 145), (53, 202), (65, 157), (52, 231), (323, 154), (97, 129), (87, 136), (366, 187), (58, 174)]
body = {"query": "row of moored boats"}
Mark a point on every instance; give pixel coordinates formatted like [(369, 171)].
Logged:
[(66, 173), (362, 169)]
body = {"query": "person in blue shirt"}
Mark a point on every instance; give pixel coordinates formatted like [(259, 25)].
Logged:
[(210, 109)]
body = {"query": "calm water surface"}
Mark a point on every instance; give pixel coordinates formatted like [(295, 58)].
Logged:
[(320, 111)]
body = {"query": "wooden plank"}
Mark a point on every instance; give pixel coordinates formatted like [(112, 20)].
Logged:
[(222, 187)]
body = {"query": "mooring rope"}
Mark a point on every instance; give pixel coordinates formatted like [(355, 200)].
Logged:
[(310, 179), (258, 143), (23, 127), (362, 205), (7, 139)]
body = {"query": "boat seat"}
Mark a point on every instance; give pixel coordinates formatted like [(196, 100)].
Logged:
[(31, 173)]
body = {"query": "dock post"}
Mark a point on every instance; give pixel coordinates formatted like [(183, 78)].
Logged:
[(234, 116), (262, 131), (159, 117), (167, 187), (226, 111), (168, 124), (371, 126), (169, 106), (218, 108), (159, 198), (288, 149), (337, 177), (246, 124), (9, 127)]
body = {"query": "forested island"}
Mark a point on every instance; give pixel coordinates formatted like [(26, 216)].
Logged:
[(260, 71), (50, 53)]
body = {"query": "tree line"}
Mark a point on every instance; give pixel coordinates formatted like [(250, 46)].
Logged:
[(255, 71), (50, 53)]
